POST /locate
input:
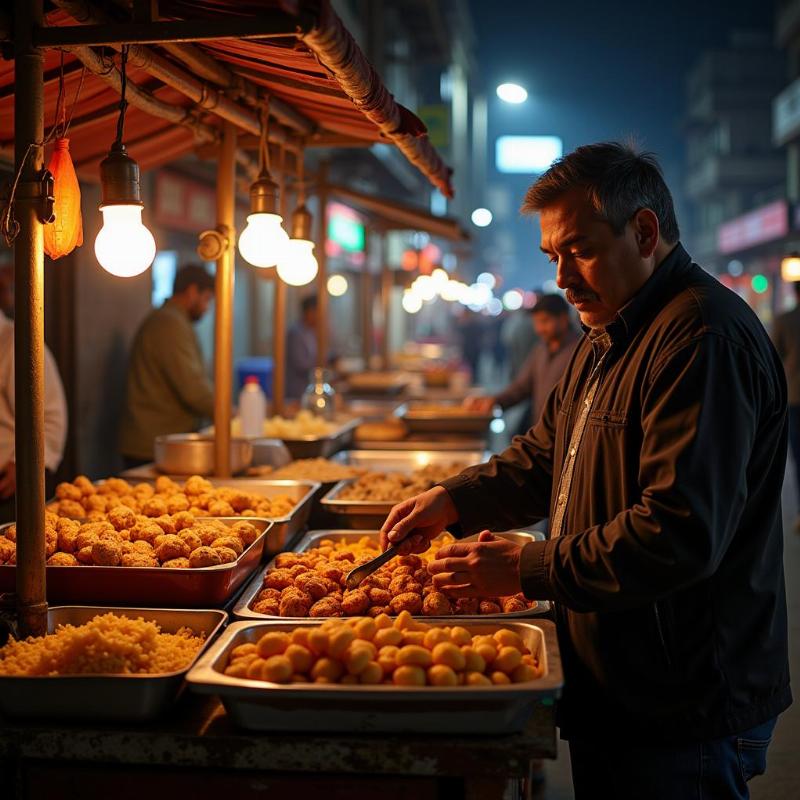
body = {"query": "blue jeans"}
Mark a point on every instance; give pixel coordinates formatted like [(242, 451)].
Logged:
[(715, 770)]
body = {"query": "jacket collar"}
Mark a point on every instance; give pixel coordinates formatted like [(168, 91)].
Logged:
[(660, 287)]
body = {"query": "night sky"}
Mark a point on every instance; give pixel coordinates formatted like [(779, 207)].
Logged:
[(595, 71)]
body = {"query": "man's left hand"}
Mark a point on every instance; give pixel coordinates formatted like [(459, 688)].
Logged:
[(486, 568)]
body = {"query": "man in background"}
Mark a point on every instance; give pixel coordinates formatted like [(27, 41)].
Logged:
[(168, 390), (545, 364), (55, 408), (786, 338), (301, 349)]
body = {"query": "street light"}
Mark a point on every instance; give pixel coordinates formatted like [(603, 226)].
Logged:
[(512, 93), (481, 217)]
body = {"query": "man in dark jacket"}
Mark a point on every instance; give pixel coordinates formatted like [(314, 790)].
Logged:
[(659, 458)]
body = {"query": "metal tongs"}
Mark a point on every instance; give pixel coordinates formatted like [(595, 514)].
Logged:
[(357, 575)]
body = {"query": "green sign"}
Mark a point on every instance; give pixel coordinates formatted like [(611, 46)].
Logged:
[(346, 232), (437, 121)]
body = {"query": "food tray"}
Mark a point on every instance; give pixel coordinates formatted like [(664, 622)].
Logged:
[(155, 586), (323, 446), (419, 419), (258, 705), (242, 609), (407, 460), (425, 442), (370, 384), (373, 408), (117, 698)]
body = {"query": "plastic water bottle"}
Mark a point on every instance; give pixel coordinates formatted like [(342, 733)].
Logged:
[(252, 407)]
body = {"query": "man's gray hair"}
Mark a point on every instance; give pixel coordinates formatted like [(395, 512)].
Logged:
[(618, 181)]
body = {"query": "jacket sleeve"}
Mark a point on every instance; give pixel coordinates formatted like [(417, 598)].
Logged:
[(778, 337), (513, 488), (701, 410), (184, 370), (521, 387)]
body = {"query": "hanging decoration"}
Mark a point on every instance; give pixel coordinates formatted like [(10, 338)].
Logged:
[(262, 241), (124, 246), (298, 265)]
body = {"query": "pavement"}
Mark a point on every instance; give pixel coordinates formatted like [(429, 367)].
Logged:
[(782, 779)]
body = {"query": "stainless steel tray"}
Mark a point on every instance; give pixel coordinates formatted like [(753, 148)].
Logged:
[(426, 442), (198, 587), (373, 408), (419, 419), (117, 698), (258, 705), (242, 608), (408, 460), (323, 446)]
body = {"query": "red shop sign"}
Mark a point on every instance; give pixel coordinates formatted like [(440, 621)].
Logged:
[(756, 227), (183, 204)]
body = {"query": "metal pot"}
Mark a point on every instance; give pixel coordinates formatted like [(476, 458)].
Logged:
[(193, 454)]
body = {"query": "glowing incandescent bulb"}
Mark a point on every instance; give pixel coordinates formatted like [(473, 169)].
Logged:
[(263, 240), (297, 265), (124, 246)]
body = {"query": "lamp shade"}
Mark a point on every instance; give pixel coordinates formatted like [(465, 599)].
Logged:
[(63, 235)]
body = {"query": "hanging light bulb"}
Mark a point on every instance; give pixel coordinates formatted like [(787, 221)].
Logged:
[(263, 240), (124, 246), (297, 265)]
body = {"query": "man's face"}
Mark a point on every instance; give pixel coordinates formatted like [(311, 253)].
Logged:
[(550, 327), (310, 317), (599, 270), (199, 301)]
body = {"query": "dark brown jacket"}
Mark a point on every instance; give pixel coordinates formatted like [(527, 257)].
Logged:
[(668, 576)]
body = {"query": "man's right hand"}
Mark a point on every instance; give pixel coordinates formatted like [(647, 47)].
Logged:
[(414, 523), (481, 405)]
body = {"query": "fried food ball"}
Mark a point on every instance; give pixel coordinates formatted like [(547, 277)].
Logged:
[(84, 555), (512, 605), (378, 611), (138, 560), (311, 583), (508, 659), (489, 607), (246, 531), (331, 573), (154, 507), (407, 601), (450, 655), (49, 519), (121, 517), (268, 594), (467, 605), (278, 579), (219, 508), (442, 675), (507, 638), (50, 540), (437, 604), (294, 603), (414, 654), (231, 542), (413, 561), (326, 607), (86, 539), (177, 502), (205, 557), (300, 656), (146, 531), (182, 520), (196, 484), (68, 491), (96, 516), (403, 584), (62, 560), (206, 532), (226, 554), (409, 675), (355, 602), (143, 546), (106, 553), (270, 608), (172, 546), (143, 490), (166, 524), (476, 679), (85, 485), (7, 548), (10, 532), (177, 563), (379, 597), (191, 537), (96, 502), (273, 643), (287, 560), (165, 485), (72, 509)]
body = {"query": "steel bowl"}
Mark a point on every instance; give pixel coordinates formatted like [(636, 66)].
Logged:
[(193, 454)]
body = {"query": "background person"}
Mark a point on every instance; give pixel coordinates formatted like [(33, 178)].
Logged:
[(168, 390), (660, 459), (301, 349)]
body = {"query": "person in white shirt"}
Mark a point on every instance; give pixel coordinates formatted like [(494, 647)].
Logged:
[(55, 420)]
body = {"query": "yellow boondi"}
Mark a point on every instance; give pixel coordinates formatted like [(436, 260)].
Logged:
[(106, 644)]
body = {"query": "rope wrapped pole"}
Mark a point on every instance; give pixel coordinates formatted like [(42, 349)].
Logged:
[(223, 318), (29, 322)]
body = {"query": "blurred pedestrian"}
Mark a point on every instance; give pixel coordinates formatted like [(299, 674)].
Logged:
[(301, 349), (168, 390), (786, 336), (519, 337)]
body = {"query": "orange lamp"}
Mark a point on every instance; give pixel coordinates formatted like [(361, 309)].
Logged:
[(66, 233)]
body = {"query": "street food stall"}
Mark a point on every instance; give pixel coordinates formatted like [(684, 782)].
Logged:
[(133, 685)]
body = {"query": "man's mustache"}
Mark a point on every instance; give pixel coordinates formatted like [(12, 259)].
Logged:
[(579, 296)]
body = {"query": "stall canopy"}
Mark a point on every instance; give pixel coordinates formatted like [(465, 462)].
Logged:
[(320, 87)]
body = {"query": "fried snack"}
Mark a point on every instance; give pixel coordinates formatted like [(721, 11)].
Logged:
[(401, 585), (205, 557), (357, 651), (107, 644), (310, 469), (106, 553), (62, 560), (393, 487), (171, 547)]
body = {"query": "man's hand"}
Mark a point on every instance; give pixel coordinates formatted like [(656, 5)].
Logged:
[(486, 568), (8, 481), (415, 522), (481, 405)]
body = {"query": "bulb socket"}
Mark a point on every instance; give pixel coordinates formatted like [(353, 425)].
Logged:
[(263, 194), (301, 223), (119, 177)]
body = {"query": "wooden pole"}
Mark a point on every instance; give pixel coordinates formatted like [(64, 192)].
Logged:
[(322, 262), (387, 282), (279, 316), (29, 322), (366, 302), (223, 319)]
